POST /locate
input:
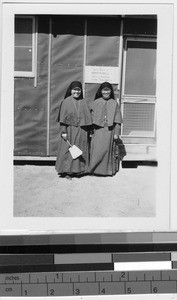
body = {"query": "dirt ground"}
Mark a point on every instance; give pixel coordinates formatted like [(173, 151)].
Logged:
[(40, 192)]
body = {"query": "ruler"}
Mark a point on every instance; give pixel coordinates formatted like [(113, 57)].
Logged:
[(88, 283), (85, 265)]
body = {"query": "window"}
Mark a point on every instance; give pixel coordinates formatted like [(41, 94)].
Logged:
[(140, 67), (24, 46), (139, 87)]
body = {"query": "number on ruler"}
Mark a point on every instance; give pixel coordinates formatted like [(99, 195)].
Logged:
[(26, 292), (129, 290), (103, 291), (77, 291), (122, 274), (155, 290), (52, 292)]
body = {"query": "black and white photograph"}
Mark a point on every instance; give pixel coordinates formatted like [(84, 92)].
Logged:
[(87, 114), (93, 87)]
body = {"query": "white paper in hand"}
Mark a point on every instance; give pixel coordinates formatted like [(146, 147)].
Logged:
[(75, 151)]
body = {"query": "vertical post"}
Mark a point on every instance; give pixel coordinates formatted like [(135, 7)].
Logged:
[(120, 59), (121, 67), (49, 86), (85, 51), (35, 51)]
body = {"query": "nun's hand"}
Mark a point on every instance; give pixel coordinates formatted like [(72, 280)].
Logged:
[(116, 137), (64, 136)]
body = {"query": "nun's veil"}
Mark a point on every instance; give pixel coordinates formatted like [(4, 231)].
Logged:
[(73, 85), (102, 86)]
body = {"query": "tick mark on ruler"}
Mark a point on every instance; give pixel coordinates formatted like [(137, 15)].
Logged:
[(47, 289)]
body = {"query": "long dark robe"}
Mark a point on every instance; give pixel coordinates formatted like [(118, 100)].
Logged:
[(104, 156), (77, 133)]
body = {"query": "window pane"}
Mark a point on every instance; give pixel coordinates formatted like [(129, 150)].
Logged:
[(23, 59), (23, 44), (139, 119), (140, 74), (23, 32)]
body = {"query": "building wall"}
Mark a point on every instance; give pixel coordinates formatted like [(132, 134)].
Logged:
[(65, 45)]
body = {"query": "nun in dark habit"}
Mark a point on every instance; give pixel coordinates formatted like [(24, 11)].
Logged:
[(106, 119), (75, 122)]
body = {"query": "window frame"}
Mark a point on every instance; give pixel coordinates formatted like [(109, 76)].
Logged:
[(32, 73), (128, 98)]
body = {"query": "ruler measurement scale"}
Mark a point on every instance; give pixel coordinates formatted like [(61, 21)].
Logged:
[(97, 283), (47, 276), (76, 289)]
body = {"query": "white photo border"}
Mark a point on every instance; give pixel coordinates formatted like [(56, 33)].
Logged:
[(162, 220)]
